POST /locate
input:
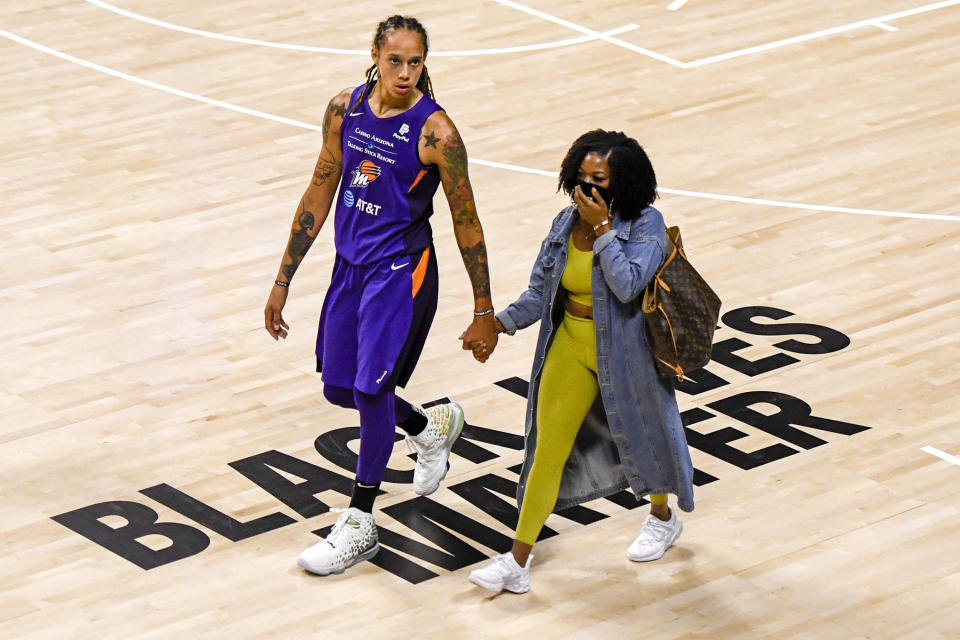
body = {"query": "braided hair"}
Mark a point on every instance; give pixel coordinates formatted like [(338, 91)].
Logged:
[(633, 184), (384, 29)]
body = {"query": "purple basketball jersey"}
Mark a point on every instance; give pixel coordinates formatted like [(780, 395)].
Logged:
[(386, 193)]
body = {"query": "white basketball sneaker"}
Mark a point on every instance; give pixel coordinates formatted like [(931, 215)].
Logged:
[(353, 539), (503, 572), (655, 538), (432, 446)]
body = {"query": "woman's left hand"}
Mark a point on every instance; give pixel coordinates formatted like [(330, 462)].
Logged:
[(481, 336), (593, 211)]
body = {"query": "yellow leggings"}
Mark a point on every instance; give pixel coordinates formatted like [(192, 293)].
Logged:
[(568, 388)]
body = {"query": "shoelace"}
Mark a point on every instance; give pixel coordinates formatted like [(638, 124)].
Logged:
[(334, 534), (659, 528), (503, 562), (422, 456)]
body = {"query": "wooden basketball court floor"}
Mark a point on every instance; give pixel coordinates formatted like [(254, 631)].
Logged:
[(152, 156)]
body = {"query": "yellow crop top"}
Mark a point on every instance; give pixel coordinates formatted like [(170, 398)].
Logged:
[(576, 275)]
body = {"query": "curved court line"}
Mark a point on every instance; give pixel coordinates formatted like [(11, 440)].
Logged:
[(811, 207), (869, 22), (352, 52), (732, 54), (485, 163), (744, 200), (156, 85), (590, 35), (606, 38)]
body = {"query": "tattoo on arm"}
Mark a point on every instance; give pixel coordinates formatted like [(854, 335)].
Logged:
[(300, 242), (327, 120), (475, 260), (430, 140), (335, 108), (459, 192), (464, 212), (325, 169)]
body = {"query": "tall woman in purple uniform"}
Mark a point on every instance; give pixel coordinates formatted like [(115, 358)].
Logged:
[(388, 146)]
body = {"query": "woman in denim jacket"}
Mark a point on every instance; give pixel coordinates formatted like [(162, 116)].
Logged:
[(599, 418)]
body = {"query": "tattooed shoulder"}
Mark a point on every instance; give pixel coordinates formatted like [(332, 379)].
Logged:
[(429, 139), (336, 109), (454, 151)]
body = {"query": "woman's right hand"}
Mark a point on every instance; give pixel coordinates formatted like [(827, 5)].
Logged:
[(272, 313), (592, 208)]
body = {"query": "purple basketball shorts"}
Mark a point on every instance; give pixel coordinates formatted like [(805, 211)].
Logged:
[(374, 321)]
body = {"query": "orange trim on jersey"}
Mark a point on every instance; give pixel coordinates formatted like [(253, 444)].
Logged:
[(421, 271), (420, 175)]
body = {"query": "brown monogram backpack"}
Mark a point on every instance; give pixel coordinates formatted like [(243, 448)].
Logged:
[(681, 312)]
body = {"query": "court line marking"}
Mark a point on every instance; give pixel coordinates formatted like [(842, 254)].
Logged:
[(745, 200), (824, 33), (486, 163), (812, 207), (155, 85), (590, 35), (739, 52), (676, 4), (941, 454), (352, 52), (586, 30)]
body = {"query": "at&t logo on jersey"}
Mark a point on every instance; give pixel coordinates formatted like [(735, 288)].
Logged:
[(368, 207), (365, 173), (402, 133), (348, 198)]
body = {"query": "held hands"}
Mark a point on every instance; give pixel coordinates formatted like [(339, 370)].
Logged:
[(481, 336), (272, 313), (594, 212)]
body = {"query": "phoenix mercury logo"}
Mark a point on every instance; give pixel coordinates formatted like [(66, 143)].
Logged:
[(365, 173)]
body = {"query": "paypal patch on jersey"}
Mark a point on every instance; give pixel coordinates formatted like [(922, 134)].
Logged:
[(387, 193)]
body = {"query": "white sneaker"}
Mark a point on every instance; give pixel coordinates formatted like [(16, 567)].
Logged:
[(655, 538), (353, 539), (503, 572), (432, 446)]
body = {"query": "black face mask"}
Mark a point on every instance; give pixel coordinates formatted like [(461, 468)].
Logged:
[(587, 188)]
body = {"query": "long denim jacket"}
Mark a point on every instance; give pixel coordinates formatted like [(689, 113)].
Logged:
[(632, 435)]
